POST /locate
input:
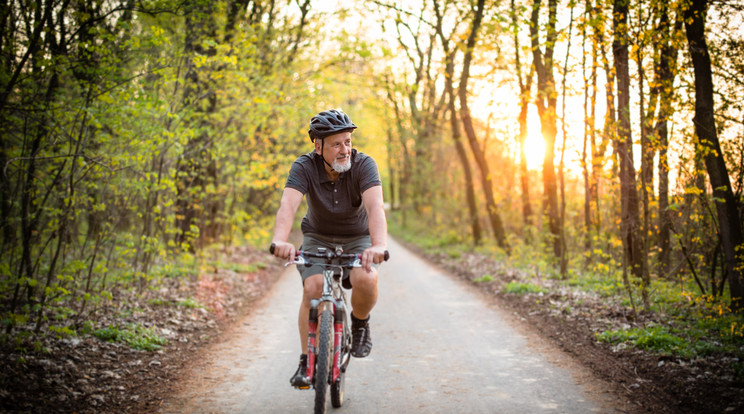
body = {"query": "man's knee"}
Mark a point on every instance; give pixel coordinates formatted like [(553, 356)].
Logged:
[(312, 287), (363, 280)]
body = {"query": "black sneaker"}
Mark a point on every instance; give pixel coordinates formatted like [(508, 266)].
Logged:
[(299, 379), (361, 342)]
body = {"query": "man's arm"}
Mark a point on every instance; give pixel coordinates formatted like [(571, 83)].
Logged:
[(373, 203), (291, 200)]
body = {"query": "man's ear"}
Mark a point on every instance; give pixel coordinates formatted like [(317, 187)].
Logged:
[(317, 146)]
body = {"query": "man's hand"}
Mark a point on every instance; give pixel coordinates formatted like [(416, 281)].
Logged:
[(284, 250), (374, 254)]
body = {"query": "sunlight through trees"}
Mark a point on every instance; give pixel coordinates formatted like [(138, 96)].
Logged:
[(606, 135)]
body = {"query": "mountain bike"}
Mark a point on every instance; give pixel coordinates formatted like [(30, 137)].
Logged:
[(329, 332)]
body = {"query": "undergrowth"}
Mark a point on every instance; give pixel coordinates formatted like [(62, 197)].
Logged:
[(134, 335), (681, 321), (70, 317), (523, 288)]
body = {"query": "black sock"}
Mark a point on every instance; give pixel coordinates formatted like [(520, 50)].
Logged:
[(355, 319)]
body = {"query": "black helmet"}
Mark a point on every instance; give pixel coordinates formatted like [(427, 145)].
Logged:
[(328, 123)]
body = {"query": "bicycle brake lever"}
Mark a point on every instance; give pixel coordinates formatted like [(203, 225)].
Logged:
[(299, 260)]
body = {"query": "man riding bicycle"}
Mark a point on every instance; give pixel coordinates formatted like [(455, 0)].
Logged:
[(344, 208)]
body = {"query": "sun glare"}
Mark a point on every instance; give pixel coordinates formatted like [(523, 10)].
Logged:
[(534, 148)]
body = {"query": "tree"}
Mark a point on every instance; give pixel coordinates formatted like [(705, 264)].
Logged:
[(546, 106), (196, 169), (708, 146), (449, 74), (630, 216), (525, 89), (665, 70), (480, 159)]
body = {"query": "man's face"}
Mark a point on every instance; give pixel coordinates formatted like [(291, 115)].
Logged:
[(336, 151)]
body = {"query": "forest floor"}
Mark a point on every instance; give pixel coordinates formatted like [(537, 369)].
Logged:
[(87, 375)]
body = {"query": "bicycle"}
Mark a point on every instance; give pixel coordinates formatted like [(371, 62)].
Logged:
[(327, 366)]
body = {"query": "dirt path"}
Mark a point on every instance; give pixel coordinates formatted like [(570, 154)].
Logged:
[(440, 346)]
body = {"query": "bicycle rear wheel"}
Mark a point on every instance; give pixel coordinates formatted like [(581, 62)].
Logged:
[(323, 360)]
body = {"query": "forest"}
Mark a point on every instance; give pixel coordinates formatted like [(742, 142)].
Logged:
[(589, 142)]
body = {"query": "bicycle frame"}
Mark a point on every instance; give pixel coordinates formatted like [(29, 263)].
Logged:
[(333, 296)]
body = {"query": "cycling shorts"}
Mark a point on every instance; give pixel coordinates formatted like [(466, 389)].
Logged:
[(312, 241)]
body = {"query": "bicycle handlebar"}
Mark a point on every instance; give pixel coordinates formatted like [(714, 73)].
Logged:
[(335, 255)]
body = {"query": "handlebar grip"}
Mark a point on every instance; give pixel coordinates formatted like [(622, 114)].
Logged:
[(387, 255), (272, 247)]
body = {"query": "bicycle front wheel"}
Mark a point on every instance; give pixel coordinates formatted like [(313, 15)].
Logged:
[(337, 387), (323, 360)]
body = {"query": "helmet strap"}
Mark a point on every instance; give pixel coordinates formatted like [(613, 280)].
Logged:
[(322, 145)]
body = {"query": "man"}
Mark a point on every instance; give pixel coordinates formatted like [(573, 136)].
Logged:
[(345, 207)]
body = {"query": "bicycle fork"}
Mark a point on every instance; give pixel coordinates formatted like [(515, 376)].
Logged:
[(338, 335), (312, 345), (311, 340)]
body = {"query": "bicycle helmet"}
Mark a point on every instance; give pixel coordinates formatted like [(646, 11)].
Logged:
[(328, 123)]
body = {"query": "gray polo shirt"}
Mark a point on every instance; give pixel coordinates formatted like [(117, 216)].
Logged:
[(334, 208)]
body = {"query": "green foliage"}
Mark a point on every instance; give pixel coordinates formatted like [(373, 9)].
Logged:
[(190, 303), (484, 279), (656, 339), (700, 326), (604, 285), (103, 133), (522, 288), (133, 335), (242, 267), (61, 332)]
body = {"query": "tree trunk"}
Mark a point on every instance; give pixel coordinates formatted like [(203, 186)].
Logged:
[(455, 127), (624, 144), (194, 171), (729, 224), (404, 175), (666, 69), (647, 159), (525, 86), (561, 176), (480, 159), (546, 107), (591, 167), (469, 184), (608, 130)]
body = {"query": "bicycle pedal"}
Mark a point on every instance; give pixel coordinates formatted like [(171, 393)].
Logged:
[(303, 387)]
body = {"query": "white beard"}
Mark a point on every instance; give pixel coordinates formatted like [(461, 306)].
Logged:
[(341, 168)]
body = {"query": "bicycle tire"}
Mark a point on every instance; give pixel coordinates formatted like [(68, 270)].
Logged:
[(337, 388), (323, 360)]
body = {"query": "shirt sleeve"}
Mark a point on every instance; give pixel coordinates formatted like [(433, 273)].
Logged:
[(297, 178), (370, 175)]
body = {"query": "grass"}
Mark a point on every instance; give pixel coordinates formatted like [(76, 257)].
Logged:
[(133, 335), (523, 288), (656, 339), (242, 267), (693, 340), (484, 279), (189, 303)]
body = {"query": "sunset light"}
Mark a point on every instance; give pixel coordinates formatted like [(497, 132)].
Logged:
[(534, 147)]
